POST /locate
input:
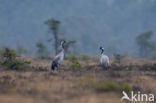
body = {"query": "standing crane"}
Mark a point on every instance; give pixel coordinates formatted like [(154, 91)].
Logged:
[(104, 59), (58, 58)]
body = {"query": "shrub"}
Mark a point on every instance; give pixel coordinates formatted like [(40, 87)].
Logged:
[(110, 86), (9, 60), (73, 58), (125, 87), (84, 57), (27, 62), (75, 64), (98, 85), (119, 57), (8, 54), (107, 86)]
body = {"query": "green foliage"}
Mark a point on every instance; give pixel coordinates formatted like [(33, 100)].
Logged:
[(125, 87), (9, 90), (146, 45), (110, 86), (123, 55), (85, 57), (8, 54), (143, 39), (53, 24), (27, 62), (73, 58), (75, 64), (79, 27), (107, 86), (41, 50), (9, 59), (119, 57), (99, 85)]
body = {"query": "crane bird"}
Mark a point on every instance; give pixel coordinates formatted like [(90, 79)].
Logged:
[(58, 58), (104, 59)]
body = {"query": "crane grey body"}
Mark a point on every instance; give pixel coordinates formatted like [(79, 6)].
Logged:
[(104, 59), (58, 58)]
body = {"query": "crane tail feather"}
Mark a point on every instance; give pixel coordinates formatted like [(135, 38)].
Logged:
[(53, 66)]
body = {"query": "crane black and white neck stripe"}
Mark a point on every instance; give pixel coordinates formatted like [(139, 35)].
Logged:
[(58, 58)]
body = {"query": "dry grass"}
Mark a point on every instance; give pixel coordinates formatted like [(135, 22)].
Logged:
[(39, 85)]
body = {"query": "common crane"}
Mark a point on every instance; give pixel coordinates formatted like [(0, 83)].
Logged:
[(104, 59), (58, 58)]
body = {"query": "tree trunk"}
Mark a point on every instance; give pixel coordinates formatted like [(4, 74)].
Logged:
[(56, 42)]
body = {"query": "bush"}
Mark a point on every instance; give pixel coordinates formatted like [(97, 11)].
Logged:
[(119, 57), (73, 58), (8, 54), (85, 57), (9, 60), (110, 86), (99, 85), (75, 64), (125, 87), (27, 62), (107, 86)]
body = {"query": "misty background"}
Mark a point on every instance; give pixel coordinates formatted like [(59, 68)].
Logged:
[(114, 24)]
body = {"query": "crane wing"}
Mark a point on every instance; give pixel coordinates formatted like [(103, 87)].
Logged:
[(57, 58)]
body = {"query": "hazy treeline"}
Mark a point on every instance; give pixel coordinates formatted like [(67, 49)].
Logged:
[(114, 24)]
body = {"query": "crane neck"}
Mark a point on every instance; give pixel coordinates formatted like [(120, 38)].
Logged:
[(62, 47), (102, 52)]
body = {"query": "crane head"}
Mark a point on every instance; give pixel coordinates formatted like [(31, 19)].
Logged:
[(62, 42), (101, 48)]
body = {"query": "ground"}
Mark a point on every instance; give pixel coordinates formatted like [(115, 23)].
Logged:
[(40, 85)]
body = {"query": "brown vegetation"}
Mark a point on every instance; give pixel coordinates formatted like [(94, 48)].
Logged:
[(39, 85)]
